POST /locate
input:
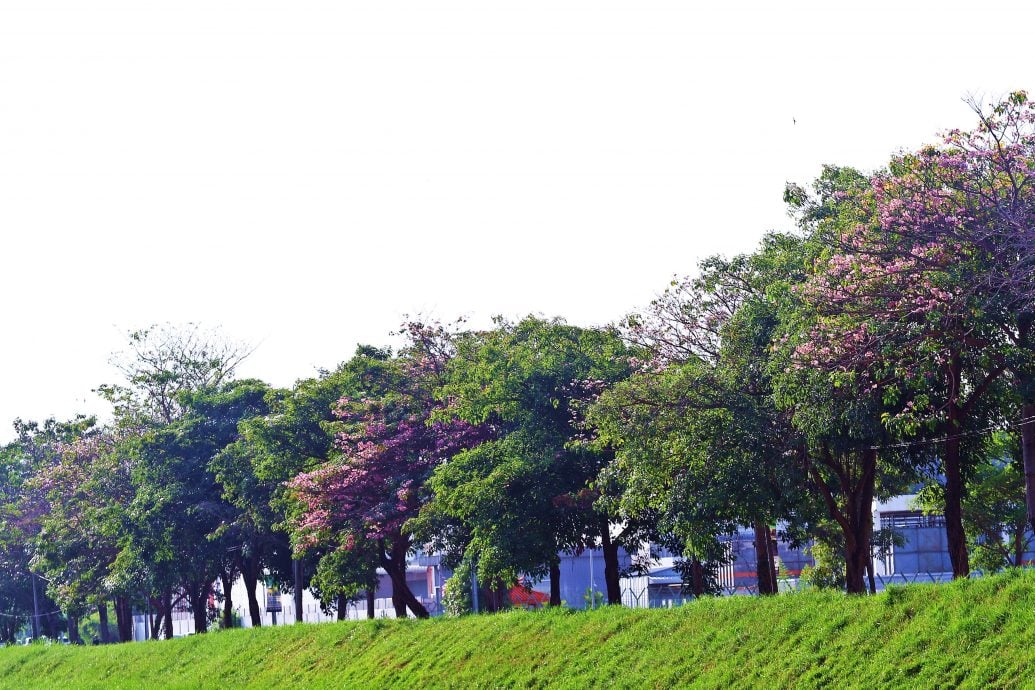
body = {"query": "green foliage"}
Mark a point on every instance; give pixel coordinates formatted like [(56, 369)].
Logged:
[(531, 491), (344, 573), (994, 512), (593, 598), (90, 628), (701, 445), (177, 498), (828, 571), (163, 363), (456, 599)]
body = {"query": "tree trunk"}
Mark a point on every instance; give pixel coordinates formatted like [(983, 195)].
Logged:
[(200, 619), (228, 606), (869, 575), (50, 624), (855, 565), (73, 629), (398, 601), (857, 555), (124, 619), (764, 560), (128, 634), (167, 613), (697, 578), (394, 564), (371, 595), (1017, 544), (774, 553), (612, 573), (493, 597), (1025, 379), (952, 462), (856, 474), (555, 583), (153, 614), (501, 596), (102, 614), (250, 575), (341, 607), (156, 619), (402, 597), (954, 532), (198, 599), (858, 512)]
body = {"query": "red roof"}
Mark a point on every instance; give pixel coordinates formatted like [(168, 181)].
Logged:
[(527, 597)]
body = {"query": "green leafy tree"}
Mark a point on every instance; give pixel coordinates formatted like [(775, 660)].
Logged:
[(178, 503), (84, 489), (164, 367), (38, 487), (518, 499), (296, 436), (701, 444)]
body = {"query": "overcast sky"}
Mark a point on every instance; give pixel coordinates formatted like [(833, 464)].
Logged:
[(303, 174)]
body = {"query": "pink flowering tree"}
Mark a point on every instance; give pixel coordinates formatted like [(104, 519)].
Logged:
[(992, 168), (82, 493), (388, 445), (911, 305), (57, 516)]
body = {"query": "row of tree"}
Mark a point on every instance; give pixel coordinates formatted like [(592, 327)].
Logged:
[(887, 343)]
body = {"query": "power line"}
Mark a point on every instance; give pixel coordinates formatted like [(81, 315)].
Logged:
[(31, 615), (977, 432)]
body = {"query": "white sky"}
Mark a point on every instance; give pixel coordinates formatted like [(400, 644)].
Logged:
[(305, 173)]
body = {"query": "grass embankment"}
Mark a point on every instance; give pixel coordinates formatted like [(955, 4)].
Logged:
[(974, 634)]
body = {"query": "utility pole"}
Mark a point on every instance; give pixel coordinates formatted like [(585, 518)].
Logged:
[(474, 588), (438, 587), (592, 582), (297, 567), (35, 609), (147, 617)]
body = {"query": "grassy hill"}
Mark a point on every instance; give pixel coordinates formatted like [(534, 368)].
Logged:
[(970, 634)]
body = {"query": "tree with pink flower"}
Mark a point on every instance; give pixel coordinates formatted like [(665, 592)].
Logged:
[(388, 443)]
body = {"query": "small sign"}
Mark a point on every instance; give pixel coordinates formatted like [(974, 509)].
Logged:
[(273, 602)]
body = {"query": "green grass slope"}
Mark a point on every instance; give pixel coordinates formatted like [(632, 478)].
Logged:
[(970, 634)]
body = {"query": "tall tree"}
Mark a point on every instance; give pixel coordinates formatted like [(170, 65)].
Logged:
[(296, 436), (991, 170), (388, 445), (532, 490), (700, 441), (85, 491), (163, 362), (175, 528), (894, 306)]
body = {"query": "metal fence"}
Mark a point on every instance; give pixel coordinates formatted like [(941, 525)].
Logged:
[(183, 621), (314, 613), (648, 598)]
